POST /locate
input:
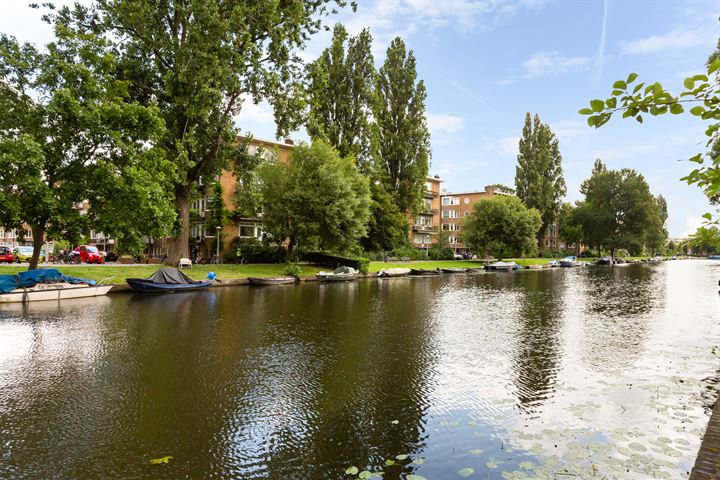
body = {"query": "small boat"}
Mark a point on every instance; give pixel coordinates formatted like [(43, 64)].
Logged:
[(570, 261), (422, 271), (656, 259), (271, 280), (454, 270), (394, 272), (340, 274), (605, 261), (713, 257), (552, 264), (47, 284), (503, 266), (534, 267), (167, 279)]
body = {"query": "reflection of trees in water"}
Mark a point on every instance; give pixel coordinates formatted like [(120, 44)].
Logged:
[(537, 352), (375, 366), (617, 301)]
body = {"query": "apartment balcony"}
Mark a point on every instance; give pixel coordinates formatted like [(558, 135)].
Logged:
[(425, 228), (431, 194), (429, 211)]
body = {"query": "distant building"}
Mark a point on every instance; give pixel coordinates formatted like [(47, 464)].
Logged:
[(425, 225)]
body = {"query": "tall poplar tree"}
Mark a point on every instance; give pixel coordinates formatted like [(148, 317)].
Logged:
[(539, 180), (400, 131), (340, 93), (198, 62)]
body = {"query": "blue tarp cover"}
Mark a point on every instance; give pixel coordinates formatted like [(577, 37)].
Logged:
[(9, 283), (31, 278)]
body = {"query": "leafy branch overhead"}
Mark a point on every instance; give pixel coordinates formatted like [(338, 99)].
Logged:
[(634, 99)]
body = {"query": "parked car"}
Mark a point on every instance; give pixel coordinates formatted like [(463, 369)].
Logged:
[(457, 256), (86, 254), (24, 254), (6, 255), (111, 257)]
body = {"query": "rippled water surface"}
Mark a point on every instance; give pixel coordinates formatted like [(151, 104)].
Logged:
[(588, 372)]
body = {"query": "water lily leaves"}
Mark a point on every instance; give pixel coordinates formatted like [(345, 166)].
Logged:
[(389, 462), (415, 477), (418, 461), (491, 464), (395, 422), (527, 465), (351, 471), (466, 472), (401, 457), (158, 461), (476, 451)]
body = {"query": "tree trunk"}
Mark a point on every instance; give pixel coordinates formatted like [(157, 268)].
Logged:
[(290, 246), (178, 246), (38, 234)]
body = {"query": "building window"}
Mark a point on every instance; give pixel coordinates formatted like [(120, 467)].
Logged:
[(453, 240), (450, 214), (451, 227), (428, 204), (467, 200), (423, 220), (250, 230), (466, 213), (451, 200), (422, 238)]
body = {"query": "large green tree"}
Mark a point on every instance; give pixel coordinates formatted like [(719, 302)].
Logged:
[(319, 200), (539, 180), (199, 61), (619, 211), (569, 230), (340, 94), (502, 226), (400, 132), (70, 132)]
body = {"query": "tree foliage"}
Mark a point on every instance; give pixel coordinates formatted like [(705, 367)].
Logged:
[(70, 131), (388, 226), (706, 239), (198, 62), (340, 96), (400, 130), (569, 229), (318, 200), (634, 99), (539, 180), (619, 211), (502, 226)]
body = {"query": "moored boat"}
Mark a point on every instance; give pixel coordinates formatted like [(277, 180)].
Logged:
[(534, 267), (552, 264), (605, 261), (394, 272), (570, 261), (261, 281), (47, 284), (503, 266), (422, 271), (340, 274), (167, 279), (454, 270)]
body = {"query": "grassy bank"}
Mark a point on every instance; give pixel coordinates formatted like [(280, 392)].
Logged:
[(116, 273), (112, 273)]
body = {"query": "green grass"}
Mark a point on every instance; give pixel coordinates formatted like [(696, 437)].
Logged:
[(112, 273)]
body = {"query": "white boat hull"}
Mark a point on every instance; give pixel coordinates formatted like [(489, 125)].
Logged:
[(54, 291)]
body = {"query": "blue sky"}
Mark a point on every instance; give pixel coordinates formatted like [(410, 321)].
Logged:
[(487, 62)]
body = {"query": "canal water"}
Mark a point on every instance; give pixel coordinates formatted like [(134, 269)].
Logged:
[(594, 372)]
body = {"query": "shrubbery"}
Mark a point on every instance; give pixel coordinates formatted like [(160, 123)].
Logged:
[(331, 260), (256, 252)]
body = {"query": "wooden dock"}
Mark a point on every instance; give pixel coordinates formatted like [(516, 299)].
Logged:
[(707, 464)]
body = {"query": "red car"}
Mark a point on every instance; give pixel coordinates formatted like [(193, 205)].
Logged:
[(6, 255), (86, 254)]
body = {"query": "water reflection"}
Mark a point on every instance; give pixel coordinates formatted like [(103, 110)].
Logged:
[(538, 344), (573, 370)]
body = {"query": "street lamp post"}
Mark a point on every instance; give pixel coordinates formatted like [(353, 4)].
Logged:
[(217, 245)]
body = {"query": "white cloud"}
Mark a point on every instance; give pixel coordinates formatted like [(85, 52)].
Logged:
[(552, 63), (678, 39), (252, 113), (508, 146), (444, 122), (692, 223), (543, 64)]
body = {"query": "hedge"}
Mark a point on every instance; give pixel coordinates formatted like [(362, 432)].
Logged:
[(331, 260)]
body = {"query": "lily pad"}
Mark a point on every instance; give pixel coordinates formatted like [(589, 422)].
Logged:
[(466, 472), (158, 461), (351, 471)]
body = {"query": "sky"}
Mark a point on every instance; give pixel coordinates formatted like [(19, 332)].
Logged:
[(486, 63)]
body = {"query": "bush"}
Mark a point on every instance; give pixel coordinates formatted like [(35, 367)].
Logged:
[(446, 253), (409, 252), (292, 270), (333, 261), (256, 252)]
